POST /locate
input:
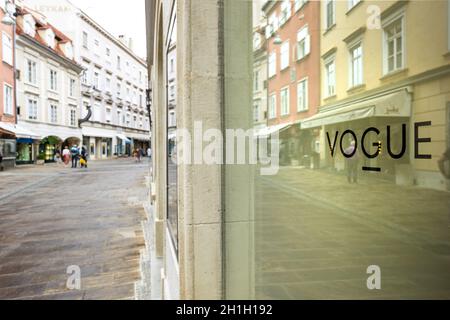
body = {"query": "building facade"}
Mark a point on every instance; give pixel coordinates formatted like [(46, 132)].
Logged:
[(48, 88), (113, 86), (293, 44), (7, 92)]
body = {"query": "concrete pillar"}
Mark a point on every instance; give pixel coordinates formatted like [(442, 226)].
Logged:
[(200, 192), (239, 248)]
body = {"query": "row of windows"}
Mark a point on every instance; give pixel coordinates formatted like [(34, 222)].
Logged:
[(53, 76), (129, 120), (330, 11), (106, 84), (303, 48), (393, 57), (302, 100), (277, 21), (33, 112), (108, 54)]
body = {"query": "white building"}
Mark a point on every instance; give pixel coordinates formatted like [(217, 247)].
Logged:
[(114, 84), (48, 88)]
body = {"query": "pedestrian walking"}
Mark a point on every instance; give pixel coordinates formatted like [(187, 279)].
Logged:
[(58, 158), (75, 154), (84, 158), (352, 163), (137, 155), (66, 156)]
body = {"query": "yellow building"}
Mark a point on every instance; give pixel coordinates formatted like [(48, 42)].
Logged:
[(386, 63)]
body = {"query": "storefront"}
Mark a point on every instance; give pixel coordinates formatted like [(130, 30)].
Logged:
[(122, 147), (48, 147), (25, 151), (8, 150), (349, 122)]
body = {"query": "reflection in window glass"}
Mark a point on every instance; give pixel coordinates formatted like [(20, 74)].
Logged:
[(358, 206)]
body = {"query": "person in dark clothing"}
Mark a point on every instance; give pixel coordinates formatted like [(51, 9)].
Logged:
[(442, 164), (75, 153), (84, 158), (1, 160), (352, 164)]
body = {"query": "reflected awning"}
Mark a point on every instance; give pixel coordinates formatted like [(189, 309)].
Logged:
[(139, 136), (19, 131), (97, 132), (267, 131), (123, 138), (397, 104)]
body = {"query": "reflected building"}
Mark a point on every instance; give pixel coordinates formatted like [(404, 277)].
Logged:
[(226, 231), (48, 88), (293, 44)]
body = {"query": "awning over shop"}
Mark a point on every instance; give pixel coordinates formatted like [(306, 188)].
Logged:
[(19, 131), (267, 131), (98, 133), (139, 136), (397, 104), (123, 138)]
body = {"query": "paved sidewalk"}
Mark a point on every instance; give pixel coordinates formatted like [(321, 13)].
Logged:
[(316, 235), (52, 218)]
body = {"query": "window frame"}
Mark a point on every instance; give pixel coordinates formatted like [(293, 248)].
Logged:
[(30, 74), (330, 61), (287, 58), (333, 17), (305, 100), (53, 78), (351, 80), (307, 42), (386, 23), (53, 116), (286, 112), (273, 106), (8, 99), (7, 56), (272, 64), (32, 114)]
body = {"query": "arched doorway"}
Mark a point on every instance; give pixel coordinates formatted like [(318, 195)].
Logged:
[(47, 148), (70, 142)]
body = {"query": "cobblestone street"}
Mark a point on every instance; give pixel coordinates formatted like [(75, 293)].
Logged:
[(54, 217), (316, 235)]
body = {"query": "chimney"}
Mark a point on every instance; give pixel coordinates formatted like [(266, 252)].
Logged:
[(130, 43)]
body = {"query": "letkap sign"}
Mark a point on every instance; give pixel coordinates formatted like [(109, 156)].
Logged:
[(373, 153)]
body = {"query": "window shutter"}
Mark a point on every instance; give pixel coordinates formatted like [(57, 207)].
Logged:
[(307, 44)]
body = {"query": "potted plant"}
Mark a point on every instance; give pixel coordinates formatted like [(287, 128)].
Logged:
[(41, 159)]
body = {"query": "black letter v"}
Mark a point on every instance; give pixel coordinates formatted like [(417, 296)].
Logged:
[(332, 149)]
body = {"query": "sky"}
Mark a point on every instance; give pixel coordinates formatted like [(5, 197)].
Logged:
[(119, 17)]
